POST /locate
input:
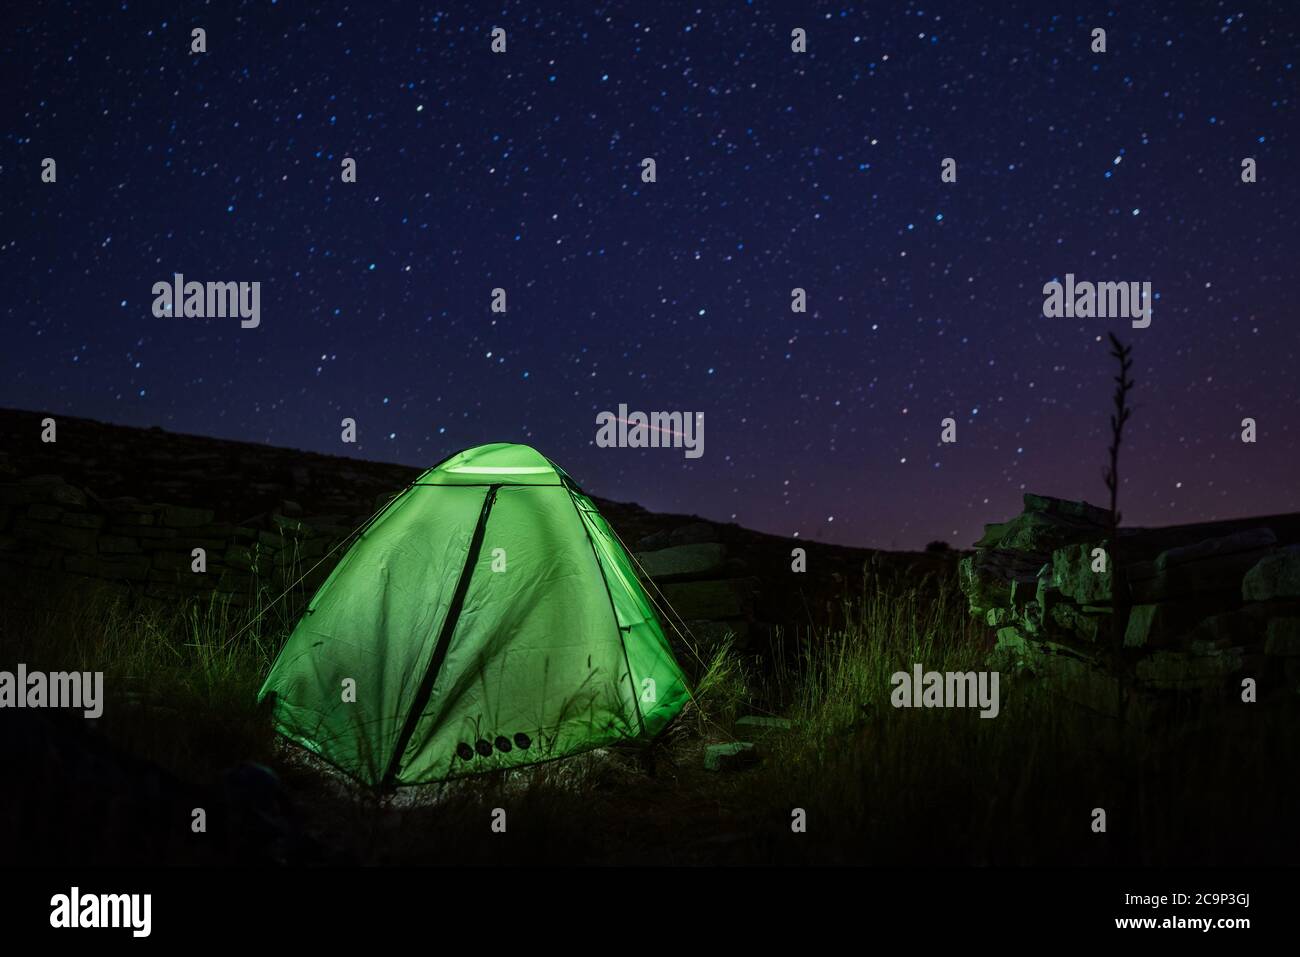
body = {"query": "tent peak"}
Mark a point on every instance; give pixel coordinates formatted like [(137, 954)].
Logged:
[(497, 463)]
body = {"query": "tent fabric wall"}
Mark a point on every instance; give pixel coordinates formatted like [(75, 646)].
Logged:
[(489, 619)]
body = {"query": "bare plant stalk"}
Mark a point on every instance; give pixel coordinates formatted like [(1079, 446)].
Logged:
[(1118, 618), (1117, 419)]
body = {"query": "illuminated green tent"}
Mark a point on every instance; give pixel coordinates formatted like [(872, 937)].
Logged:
[(488, 618)]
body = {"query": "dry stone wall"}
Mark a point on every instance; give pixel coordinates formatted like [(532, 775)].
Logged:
[(127, 506), (53, 532), (704, 583), (1184, 610)]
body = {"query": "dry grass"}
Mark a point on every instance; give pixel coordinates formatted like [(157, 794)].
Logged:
[(878, 785)]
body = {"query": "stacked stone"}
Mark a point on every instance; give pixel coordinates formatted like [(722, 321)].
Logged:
[(55, 533), (1183, 609), (707, 587)]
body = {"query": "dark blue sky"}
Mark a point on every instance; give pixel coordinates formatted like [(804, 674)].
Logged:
[(775, 170)]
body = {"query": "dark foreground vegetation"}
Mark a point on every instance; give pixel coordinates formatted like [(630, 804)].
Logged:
[(879, 786)]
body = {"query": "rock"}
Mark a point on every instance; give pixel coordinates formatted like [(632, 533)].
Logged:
[(753, 725), (327, 530), (110, 544), (1276, 575), (1022, 594), (682, 562), (1040, 533), (1075, 511), (21, 494), (129, 567), (212, 546), (83, 519), (232, 580), (176, 516), (1158, 623), (1082, 683), (237, 556), (44, 513), (1080, 622), (221, 530), (42, 556), (1243, 626), (730, 757), (1045, 525), (1183, 606), (1213, 565), (1073, 575), (1012, 652), (1064, 673), (132, 517), (173, 561), (142, 531), (68, 496), (291, 557), (1174, 671), (712, 600), (1031, 617), (1085, 653), (1283, 637), (1007, 565), (1248, 541), (1045, 592), (993, 533), (982, 591), (1011, 638), (63, 536), (290, 526)]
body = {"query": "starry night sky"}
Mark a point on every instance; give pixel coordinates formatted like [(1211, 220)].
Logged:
[(775, 170)]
